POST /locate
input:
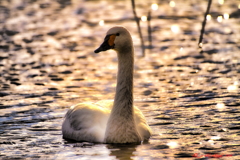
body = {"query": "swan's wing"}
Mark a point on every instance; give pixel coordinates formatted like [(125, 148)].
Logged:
[(85, 122), (141, 123), (108, 104)]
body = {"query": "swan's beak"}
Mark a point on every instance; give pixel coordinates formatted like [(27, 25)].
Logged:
[(107, 44)]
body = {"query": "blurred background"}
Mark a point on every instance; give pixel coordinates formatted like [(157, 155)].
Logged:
[(190, 96)]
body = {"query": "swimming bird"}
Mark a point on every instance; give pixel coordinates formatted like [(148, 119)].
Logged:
[(106, 121)]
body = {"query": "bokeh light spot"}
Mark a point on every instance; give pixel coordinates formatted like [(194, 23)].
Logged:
[(101, 23), (172, 4), (154, 6)]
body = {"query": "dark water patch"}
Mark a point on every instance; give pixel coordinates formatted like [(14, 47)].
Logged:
[(205, 126), (86, 145), (207, 148), (72, 86), (58, 97), (183, 155), (2, 94), (197, 116), (39, 84), (66, 72), (188, 32), (17, 47), (218, 31), (80, 10), (52, 33), (147, 92), (78, 79), (235, 14), (30, 51), (32, 75), (7, 142), (202, 96), (13, 68), (38, 37), (193, 39), (30, 95), (191, 133), (225, 71), (199, 56), (234, 127), (181, 57), (31, 13), (160, 147), (15, 83), (164, 48), (5, 14), (10, 32), (43, 71), (162, 79), (176, 17), (5, 48), (43, 102), (210, 79), (180, 70), (158, 66), (198, 105), (24, 121), (13, 74), (232, 110), (223, 139), (167, 40), (53, 75), (57, 79), (71, 46), (193, 72), (51, 93), (43, 129), (193, 91), (5, 106), (212, 51), (44, 5), (32, 111), (213, 62), (162, 123), (64, 3), (53, 89), (81, 57), (12, 79)]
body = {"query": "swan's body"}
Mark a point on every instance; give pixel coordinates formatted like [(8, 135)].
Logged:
[(108, 121)]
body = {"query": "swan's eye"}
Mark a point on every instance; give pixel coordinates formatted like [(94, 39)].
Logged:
[(117, 34)]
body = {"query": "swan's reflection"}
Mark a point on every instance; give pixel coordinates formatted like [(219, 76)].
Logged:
[(122, 151)]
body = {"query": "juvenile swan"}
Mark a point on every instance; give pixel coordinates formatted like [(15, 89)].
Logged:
[(108, 121)]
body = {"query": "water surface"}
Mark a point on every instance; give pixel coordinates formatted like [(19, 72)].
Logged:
[(190, 97)]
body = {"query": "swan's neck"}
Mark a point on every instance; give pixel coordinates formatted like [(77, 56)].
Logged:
[(124, 91), (121, 126)]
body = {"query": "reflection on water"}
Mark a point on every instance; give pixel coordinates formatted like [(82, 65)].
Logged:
[(122, 152), (189, 97)]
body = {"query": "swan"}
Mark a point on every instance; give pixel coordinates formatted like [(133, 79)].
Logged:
[(109, 121)]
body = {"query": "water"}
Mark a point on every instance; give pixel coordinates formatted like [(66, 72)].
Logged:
[(190, 97)]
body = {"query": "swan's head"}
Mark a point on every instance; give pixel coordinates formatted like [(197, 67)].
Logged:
[(117, 38)]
